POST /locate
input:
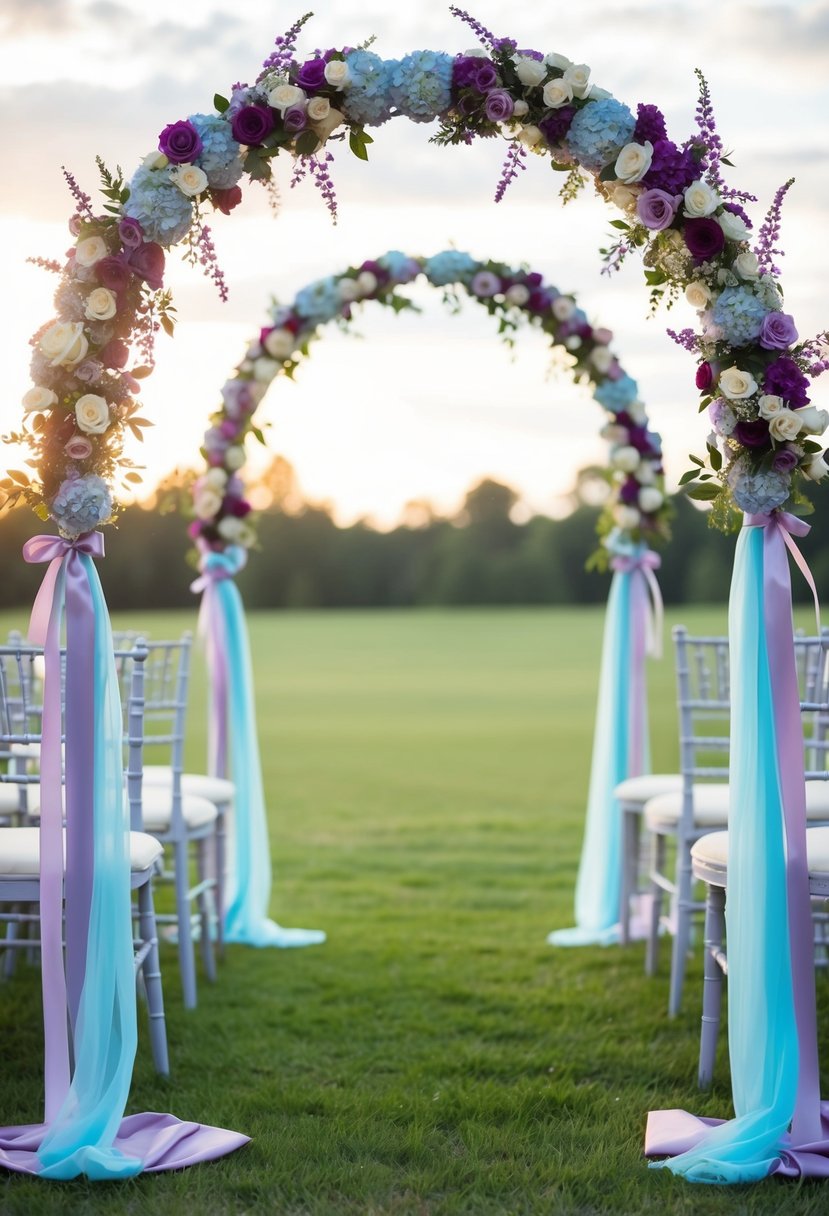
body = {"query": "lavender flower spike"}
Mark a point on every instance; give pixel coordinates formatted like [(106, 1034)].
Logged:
[(484, 36), (769, 233)]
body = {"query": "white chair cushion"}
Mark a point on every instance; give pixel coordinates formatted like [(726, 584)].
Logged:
[(158, 809), (26, 751), (711, 850), (214, 789), (9, 798), (711, 805), (641, 789), (20, 851)]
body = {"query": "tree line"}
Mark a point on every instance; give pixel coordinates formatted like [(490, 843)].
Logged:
[(479, 556)]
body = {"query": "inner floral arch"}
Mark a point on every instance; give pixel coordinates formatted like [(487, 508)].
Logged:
[(636, 512)]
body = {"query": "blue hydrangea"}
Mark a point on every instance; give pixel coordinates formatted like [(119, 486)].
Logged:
[(421, 85), (319, 301), (400, 266), (451, 266), (367, 100), (164, 213), (219, 157), (599, 131), (616, 395), (757, 491), (739, 314), (81, 504)]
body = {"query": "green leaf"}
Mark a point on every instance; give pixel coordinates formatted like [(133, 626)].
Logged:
[(622, 225), (715, 457), (696, 460), (705, 493), (307, 144), (608, 173), (810, 445), (257, 434), (559, 168), (358, 141), (654, 278), (167, 325), (141, 372), (135, 478), (17, 475), (689, 476), (221, 103)]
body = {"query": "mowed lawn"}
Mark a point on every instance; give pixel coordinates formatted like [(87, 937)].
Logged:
[(426, 775)]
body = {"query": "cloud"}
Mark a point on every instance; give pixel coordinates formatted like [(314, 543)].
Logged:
[(35, 16)]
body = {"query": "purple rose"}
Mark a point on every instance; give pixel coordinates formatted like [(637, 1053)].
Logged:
[(629, 492), (237, 396), (115, 354), (778, 331), (89, 372), (113, 273), (486, 77), (704, 377), (704, 238), (148, 263), (784, 379), (499, 105), (656, 209), (311, 75), (226, 199), (753, 434), (555, 126), (228, 429), (130, 232), (295, 119), (236, 506), (252, 124), (784, 460), (180, 142)]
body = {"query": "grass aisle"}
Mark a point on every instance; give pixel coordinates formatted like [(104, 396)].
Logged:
[(426, 777)]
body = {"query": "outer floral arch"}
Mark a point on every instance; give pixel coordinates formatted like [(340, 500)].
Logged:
[(637, 512)]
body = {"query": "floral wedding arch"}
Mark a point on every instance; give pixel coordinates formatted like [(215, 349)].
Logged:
[(753, 374)]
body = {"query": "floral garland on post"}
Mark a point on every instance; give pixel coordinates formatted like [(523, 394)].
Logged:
[(693, 229), (638, 511)]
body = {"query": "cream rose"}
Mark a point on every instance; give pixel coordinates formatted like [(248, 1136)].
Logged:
[(214, 479), (337, 74), (235, 457), (636, 413), (622, 196), (645, 474), (700, 199), (578, 77), (92, 413), (264, 369), (279, 343), (698, 295), (518, 294), (627, 517), (784, 426), (613, 433), (737, 384), (318, 108), (602, 359), (768, 405), (520, 109), (348, 290), (101, 304), (366, 283), (38, 399), (190, 179), (207, 503), (633, 162), (529, 71), (530, 136), (90, 250), (64, 344), (816, 469), (555, 60), (650, 499), (557, 93), (626, 459), (746, 265), (563, 308), (285, 96), (734, 226), (812, 420), (236, 531)]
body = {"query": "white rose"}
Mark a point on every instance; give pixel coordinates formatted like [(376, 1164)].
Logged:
[(337, 74), (264, 369), (633, 162), (650, 499), (190, 179), (101, 304), (90, 250), (518, 294), (622, 196), (734, 227), (279, 343), (284, 96), (645, 475), (332, 120), (530, 136), (318, 108), (812, 420), (627, 517), (558, 61), (92, 413), (563, 308), (614, 433), (520, 108), (816, 469), (700, 199), (38, 399), (626, 459), (236, 531), (348, 290), (207, 503), (235, 457), (529, 71), (737, 384), (64, 344), (578, 77), (573, 342), (602, 359), (784, 426), (636, 413), (477, 52), (215, 479), (366, 283), (698, 295), (557, 93), (746, 265), (768, 405)]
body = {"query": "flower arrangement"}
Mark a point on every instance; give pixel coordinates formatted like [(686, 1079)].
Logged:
[(637, 510), (693, 230)]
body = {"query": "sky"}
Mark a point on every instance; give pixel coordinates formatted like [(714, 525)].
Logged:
[(415, 406)]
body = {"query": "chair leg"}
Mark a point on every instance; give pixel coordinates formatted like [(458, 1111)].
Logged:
[(207, 911), (151, 972), (712, 985), (682, 935), (657, 867), (186, 952), (631, 820), (221, 863)]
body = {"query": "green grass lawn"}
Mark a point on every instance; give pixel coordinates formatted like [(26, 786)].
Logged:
[(426, 776)]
